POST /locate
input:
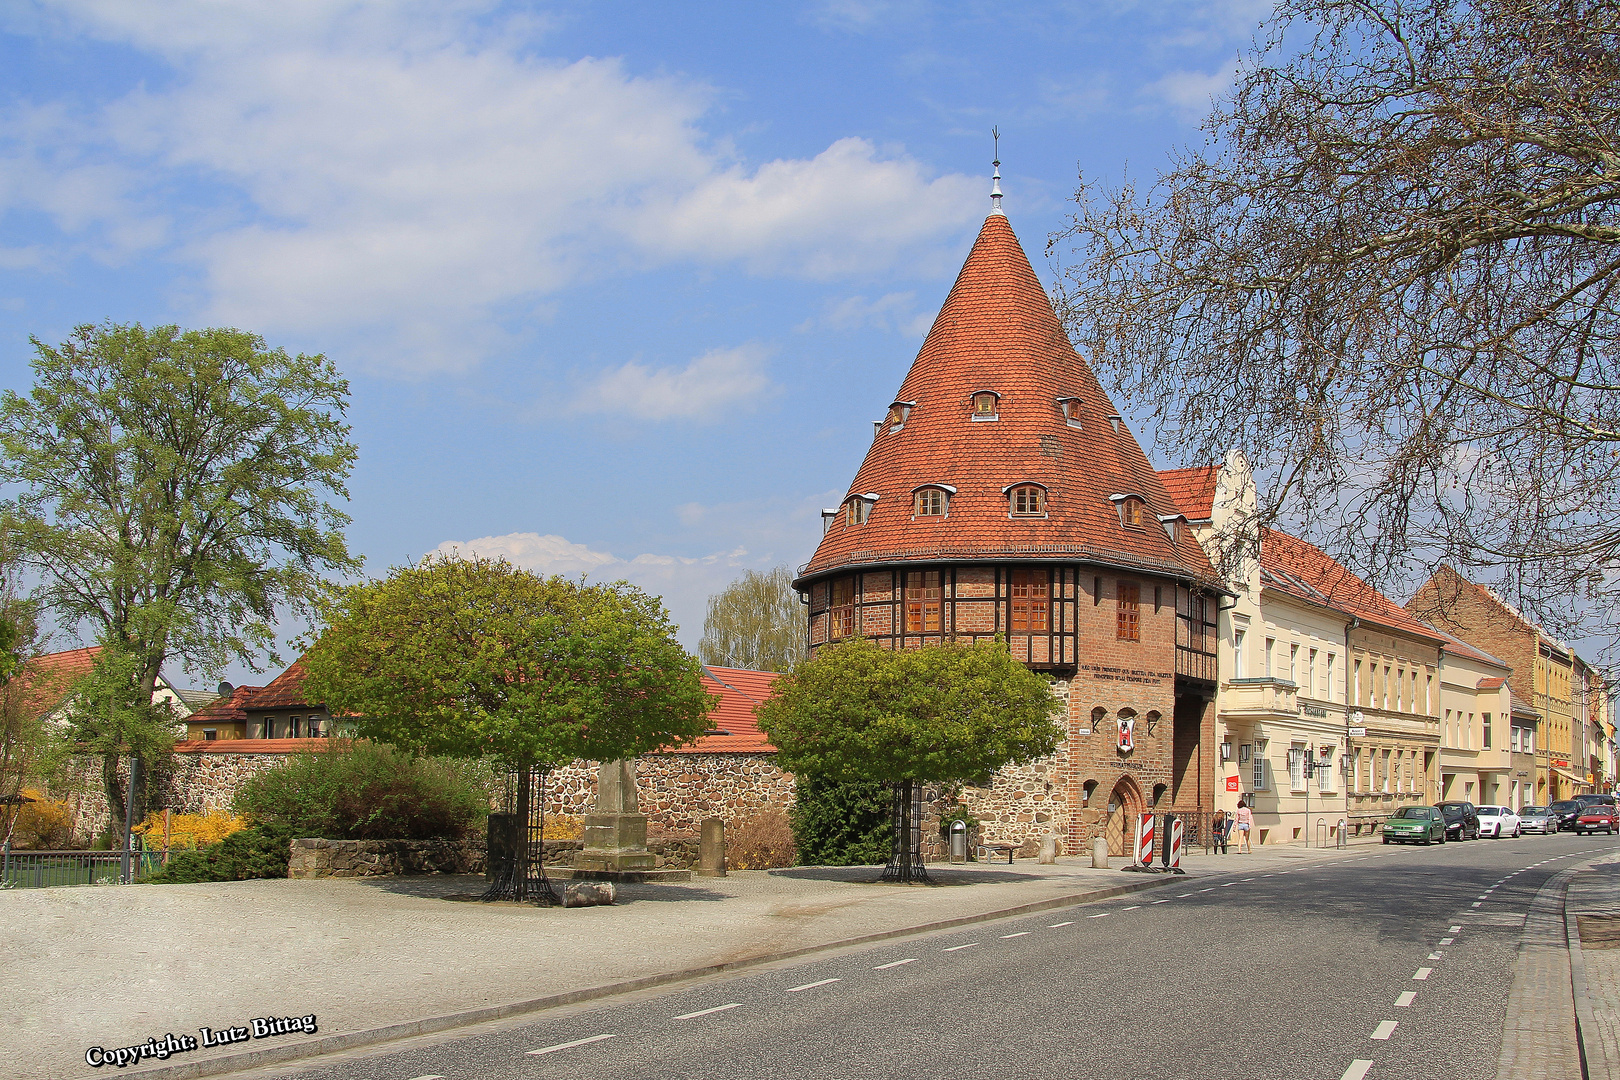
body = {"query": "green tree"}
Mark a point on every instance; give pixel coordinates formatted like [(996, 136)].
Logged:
[(841, 823), (476, 658), (948, 712), (1390, 274), (170, 495), (756, 622)]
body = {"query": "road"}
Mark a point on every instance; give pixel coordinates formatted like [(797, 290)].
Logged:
[(1392, 962)]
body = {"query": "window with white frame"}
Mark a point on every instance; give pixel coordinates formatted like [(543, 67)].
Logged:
[(1259, 763), (1325, 777), (1400, 684), (1310, 674), (1237, 654), (1296, 767), (1387, 788), (1358, 682), (1293, 664), (1271, 657), (1327, 683)]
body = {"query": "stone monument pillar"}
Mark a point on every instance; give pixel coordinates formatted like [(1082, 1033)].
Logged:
[(616, 834)]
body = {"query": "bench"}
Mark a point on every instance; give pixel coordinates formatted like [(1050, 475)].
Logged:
[(992, 847)]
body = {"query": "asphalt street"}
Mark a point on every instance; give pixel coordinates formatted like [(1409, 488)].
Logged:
[(1391, 962)]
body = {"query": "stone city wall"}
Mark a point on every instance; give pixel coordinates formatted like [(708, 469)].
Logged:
[(676, 791)]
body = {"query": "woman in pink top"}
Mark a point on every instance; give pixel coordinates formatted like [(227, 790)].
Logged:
[(1245, 823)]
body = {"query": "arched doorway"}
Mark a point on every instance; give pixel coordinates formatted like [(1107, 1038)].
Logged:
[(1127, 802)]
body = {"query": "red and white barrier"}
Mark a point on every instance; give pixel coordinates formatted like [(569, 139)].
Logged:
[(1144, 840), (1173, 844)]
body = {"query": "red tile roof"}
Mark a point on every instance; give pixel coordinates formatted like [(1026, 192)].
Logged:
[(997, 331), (286, 691), (232, 710), (1302, 569), (1491, 684), (741, 692), (45, 680), (1192, 489)]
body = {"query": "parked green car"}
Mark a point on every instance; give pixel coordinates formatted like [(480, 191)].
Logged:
[(1415, 825)]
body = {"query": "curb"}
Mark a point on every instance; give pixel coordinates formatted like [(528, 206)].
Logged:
[(228, 1063), (1585, 1022)]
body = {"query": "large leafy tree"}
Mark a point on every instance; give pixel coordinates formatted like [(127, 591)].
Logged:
[(475, 658), (756, 622), (947, 712), (170, 493), (1389, 274)]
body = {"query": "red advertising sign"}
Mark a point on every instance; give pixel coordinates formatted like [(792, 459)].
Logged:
[(1231, 783)]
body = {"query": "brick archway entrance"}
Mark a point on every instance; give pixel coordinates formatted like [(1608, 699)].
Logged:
[(1121, 831)]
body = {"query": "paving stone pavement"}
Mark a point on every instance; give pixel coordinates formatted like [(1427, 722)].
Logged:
[(1595, 953), (113, 965)]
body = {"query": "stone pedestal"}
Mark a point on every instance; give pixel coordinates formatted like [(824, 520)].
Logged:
[(616, 833), (712, 848)]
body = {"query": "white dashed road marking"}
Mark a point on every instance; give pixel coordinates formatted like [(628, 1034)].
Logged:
[(1385, 1030), (1357, 1070), (1422, 973), (1455, 929), (593, 1038), (429, 1076), (895, 963), (1133, 907), (1055, 925), (1099, 915), (1021, 933), (810, 986), (955, 948), (1447, 940), (1164, 901), (686, 1016), (1434, 956), (1406, 999)]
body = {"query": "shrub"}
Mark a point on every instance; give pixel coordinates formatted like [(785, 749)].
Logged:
[(843, 824), (189, 831), (369, 791), (563, 827), (761, 841), (43, 823), (258, 851)]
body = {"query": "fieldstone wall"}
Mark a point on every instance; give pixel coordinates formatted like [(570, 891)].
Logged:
[(314, 858), (677, 791), (375, 858), (194, 782)]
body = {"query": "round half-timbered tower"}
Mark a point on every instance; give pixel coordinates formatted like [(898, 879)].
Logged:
[(1003, 495)]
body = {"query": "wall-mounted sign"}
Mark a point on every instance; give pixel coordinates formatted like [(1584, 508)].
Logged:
[(1127, 734), (1358, 732), (1231, 783)]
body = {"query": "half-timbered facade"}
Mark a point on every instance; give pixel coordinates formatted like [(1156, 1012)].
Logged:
[(1004, 497)]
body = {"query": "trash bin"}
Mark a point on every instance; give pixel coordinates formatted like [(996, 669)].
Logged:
[(959, 841)]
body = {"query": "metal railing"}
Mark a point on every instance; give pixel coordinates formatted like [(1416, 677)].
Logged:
[(44, 869)]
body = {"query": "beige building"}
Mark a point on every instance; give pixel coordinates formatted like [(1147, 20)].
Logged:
[(1476, 728), (1317, 669), (1544, 673)]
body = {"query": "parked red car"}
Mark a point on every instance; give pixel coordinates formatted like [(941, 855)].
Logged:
[(1597, 817)]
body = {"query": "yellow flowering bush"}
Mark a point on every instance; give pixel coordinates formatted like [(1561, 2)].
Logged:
[(189, 831)]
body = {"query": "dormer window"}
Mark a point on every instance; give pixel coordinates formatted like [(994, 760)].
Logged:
[(1131, 508), (829, 515), (1171, 523), (932, 501), (1070, 408), (899, 412), (858, 508), (1026, 500), (986, 405)]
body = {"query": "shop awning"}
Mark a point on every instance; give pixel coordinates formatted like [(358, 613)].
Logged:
[(1571, 777)]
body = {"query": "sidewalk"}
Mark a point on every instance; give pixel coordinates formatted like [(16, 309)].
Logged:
[(111, 966), (1592, 911)]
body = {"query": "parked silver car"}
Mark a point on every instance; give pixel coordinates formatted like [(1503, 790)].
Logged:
[(1499, 821), (1537, 819)]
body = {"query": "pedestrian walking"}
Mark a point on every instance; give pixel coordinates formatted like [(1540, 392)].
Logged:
[(1245, 825), (1220, 827)]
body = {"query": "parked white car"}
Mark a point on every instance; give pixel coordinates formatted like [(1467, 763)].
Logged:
[(1499, 821)]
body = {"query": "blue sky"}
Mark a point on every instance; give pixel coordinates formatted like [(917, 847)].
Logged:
[(619, 287)]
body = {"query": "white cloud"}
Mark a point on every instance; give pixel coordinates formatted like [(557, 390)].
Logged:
[(718, 380), (342, 163), (891, 311), (1192, 92)]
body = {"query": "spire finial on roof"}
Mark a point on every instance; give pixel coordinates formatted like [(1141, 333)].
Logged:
[(995, 182)]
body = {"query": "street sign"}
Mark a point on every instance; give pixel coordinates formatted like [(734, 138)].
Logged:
[(1358, 732), (1231, 783)]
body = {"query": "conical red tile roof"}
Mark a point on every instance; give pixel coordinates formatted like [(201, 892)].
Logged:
[(998, 332)]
